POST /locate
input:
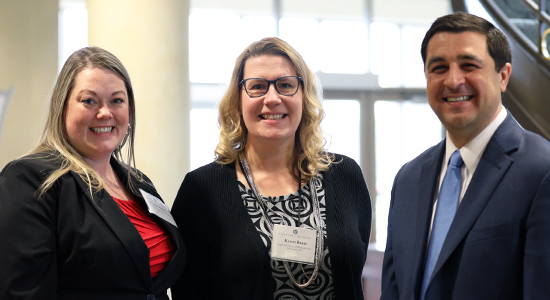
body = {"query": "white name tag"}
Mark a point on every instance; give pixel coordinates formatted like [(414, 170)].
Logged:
[(293, 244), (157, 207)]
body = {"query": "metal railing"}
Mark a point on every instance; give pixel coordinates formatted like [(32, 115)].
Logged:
[(543, 25), (538, 48)]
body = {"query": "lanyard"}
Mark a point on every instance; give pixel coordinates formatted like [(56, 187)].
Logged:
[(316, 214)]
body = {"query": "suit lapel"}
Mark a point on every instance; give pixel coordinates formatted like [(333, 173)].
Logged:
[(166, 276), (160, 282), (491, 168), (121, 227), (427, 183)]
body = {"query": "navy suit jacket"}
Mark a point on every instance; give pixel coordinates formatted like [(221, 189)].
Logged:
[(498, 246), (70, 244)]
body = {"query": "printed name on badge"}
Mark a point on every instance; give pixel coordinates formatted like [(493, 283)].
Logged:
[(157, 207), (293, 244)]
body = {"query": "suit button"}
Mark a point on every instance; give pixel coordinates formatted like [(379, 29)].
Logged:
[(151, 297)]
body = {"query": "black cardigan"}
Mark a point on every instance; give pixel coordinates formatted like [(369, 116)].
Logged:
[(68, 245), (226, 256)]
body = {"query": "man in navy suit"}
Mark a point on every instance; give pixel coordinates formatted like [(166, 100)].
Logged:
[(498, 243)]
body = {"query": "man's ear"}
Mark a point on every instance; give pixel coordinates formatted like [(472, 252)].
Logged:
[(505, 76)]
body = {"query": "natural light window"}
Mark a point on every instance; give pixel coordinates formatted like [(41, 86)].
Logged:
[(303, 35), (73, 29), (403, 131), (255, 28), (218, 38), (204, 135), (386, 53), (341, 127), (215, 41), (344, 47), (413, 67)]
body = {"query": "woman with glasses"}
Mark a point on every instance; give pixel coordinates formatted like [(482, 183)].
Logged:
[(275, 216)]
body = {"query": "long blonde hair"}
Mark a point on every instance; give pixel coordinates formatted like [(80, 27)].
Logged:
[(54, 143), (309, 155)]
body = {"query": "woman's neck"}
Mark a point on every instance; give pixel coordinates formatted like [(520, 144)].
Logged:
[(271, 169), (268, 160), (111, 182), (102, 167)]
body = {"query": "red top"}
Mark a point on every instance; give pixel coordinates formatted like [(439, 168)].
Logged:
[(160, 247)]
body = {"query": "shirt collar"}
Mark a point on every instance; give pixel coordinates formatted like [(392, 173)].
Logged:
[(472, 151)]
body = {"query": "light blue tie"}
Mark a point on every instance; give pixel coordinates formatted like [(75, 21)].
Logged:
[(447, 203)]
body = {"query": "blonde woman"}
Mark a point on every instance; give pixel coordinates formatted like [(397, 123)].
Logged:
[(74, 212), (275, 216)]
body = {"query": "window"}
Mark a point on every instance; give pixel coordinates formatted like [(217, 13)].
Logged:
[(341, 127), (303, 35), (204, 133), (387, 52), (73, 28), (412, 65), (204, 122), (404, 129), (344, 47), (215, 41)]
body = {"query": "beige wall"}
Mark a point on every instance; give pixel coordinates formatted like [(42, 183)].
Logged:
[(150, 38), (28, 61)]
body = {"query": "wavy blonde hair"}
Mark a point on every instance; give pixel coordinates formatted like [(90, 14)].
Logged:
[(54, 143), (309, 156)]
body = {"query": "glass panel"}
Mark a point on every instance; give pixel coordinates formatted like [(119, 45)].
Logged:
[(344, 47), (260, 6), (386, 53), (215, 40), (324, 8), (73, 29), (341, 127), (410, 11), (204, 136), (403, 131), (413, 67), (303, 35), (475, 7), (256, 28)]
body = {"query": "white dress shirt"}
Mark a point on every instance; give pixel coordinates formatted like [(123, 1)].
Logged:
[(470, 153)]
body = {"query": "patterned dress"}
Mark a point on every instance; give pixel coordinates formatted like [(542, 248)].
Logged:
[(288, 206)]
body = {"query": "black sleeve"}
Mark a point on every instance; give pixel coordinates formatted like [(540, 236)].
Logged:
[(28, 230)]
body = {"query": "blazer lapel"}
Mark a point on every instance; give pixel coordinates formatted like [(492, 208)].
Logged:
[(121, 227), (491, 168), (427, 184), (169, 272)]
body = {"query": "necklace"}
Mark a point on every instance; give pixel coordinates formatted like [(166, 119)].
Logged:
[(316, 215)]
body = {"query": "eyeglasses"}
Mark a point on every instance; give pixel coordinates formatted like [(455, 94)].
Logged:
[(257, 87)]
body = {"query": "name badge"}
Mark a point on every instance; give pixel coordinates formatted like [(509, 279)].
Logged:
[(293, 244), (157, 207)]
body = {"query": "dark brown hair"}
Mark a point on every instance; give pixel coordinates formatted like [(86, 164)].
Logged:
[(497, 43)]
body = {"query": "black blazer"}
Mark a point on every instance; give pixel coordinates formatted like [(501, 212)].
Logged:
[(71, 245), (226, 256), (498, 246)]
